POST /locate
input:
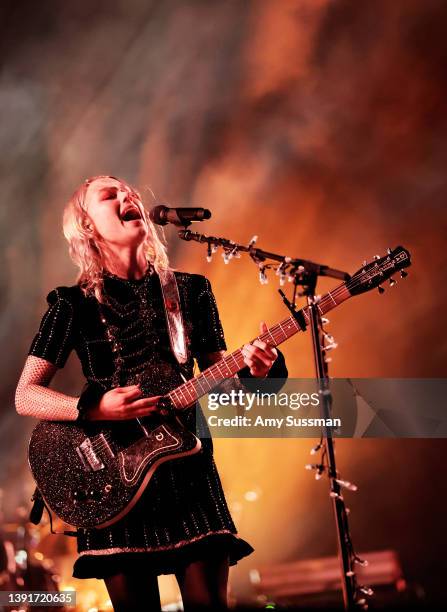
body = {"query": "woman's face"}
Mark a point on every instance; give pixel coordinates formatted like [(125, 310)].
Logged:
[(116, 212)]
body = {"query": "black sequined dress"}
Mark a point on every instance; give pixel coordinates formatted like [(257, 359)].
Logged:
[(183, 515)]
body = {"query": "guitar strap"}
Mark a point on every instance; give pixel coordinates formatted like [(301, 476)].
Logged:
[(37, 510), (174, 317), (38, 506)]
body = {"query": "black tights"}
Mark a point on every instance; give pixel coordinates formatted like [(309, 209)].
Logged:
[(203, 586)]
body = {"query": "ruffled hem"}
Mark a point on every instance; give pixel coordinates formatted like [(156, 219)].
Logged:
[(167, 561)]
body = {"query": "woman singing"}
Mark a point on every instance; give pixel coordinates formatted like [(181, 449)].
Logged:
[(114, 319)]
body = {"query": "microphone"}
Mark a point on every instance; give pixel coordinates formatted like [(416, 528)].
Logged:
[(162, 215)]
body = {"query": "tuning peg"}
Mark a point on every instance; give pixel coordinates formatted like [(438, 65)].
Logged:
[(324, 320), (364, 263), (376, 257), (388, 251), (380, 290), (403, 274), (393, 281)]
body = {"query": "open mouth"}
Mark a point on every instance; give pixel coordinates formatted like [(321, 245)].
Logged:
[(132, 213)]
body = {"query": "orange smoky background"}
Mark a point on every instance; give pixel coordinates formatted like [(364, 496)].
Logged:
[(319, 126)]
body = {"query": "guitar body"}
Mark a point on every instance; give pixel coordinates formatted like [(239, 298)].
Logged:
[(91, 475)]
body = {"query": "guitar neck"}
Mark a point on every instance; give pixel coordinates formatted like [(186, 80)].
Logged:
[(188, 393)]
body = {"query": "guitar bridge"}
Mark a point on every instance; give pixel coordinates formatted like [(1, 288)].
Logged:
[(88, 456)]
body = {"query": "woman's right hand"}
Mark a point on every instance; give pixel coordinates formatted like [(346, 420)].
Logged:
[(123, 403)]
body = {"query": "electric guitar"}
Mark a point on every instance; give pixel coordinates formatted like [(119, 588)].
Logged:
[(91, 474)]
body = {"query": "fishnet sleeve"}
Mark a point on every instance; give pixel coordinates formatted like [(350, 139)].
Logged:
[(33, 398)]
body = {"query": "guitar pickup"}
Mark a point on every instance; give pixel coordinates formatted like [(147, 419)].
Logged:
[(105, 446), (88, 456)]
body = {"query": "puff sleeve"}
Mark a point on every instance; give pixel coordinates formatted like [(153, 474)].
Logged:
[(54, 340)]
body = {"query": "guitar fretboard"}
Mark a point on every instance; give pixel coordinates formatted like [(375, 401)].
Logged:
[(189, 392)]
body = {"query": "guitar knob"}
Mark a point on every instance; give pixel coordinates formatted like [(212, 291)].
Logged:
[(376, 257), (380, 290), (403, 274), (392, 282)]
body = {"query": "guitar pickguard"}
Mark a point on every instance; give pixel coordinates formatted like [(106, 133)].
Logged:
[(134, 459)]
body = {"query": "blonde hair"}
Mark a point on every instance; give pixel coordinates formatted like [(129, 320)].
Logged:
[(86, 247)]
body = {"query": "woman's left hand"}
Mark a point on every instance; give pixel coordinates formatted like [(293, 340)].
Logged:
[(259, 356)]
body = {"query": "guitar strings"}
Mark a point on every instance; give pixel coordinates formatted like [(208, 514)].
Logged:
[(326, 300), (236, 355)]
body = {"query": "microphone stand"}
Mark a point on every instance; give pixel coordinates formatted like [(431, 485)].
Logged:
[(305, 273), (300, 267), (345, 548)]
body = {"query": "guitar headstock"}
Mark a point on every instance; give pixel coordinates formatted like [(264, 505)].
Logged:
[(373, 274)]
